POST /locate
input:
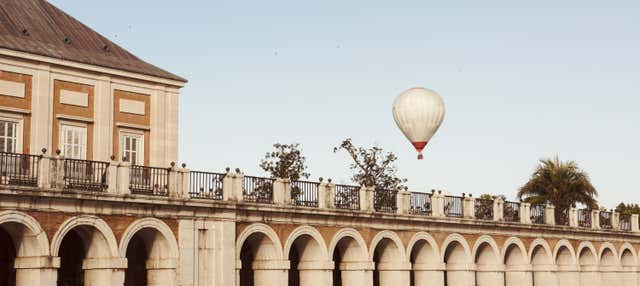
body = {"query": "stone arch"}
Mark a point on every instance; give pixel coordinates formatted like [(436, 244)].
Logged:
[(33, 239), (21, 238), (308, 259), (417, 244), (542, 263), (152, 252), (260, 228), (628, 265), (566, 264), (259, 256), (391, 264), (489, 267), (350, 257), (88, 251), (313, 233), (588, 264), (609, 265), (86, 221), (515, 259), (424, 255), (458, 261), (626, 247)]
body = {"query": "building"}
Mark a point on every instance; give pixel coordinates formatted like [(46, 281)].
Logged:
[(90, 195)]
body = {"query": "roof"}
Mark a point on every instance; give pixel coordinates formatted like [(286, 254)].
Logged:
[(37, 27)]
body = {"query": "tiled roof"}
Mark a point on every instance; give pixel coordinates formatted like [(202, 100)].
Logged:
[(37, 27)]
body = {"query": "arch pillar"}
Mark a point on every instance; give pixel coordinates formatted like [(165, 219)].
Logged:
[(518, 275), (544, 274), (104, 271), (610, 275), (315, 273), (568, 275), (161, 271), (394, 273), (270, 272), (41, 270), (461, 274), (429, 274), (356, 273), (589, 275), (629, 276), (490, 275)]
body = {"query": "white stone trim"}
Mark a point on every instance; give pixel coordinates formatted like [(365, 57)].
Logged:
[(12, 88), (628, 246), (314, 234), (486, 239), (74, 118), (133, 126), (429, 239), (588, 245), (132, 106), (15, 110), (545, 245), (520, 245), (151, 223), (559, 245), (604, 246), (85, 220), (388, 235), (32, 225), (75, 98), (259, 228)]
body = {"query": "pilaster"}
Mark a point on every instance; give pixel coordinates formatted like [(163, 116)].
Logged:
[(573, 217), (525, 213), (112, 176), (123, 178), (44, 170), (634, 223), (469, 207), (437, 204), (498, 209), (595, 219), (403, 201), (615, 220), (550, 214)]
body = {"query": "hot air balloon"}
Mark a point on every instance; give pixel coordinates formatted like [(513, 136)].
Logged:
[(418, 112)]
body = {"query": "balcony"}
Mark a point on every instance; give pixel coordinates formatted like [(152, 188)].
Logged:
[(55, 173)]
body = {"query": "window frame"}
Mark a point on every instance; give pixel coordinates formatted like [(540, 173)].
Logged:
[(61, 137), (19, 121), (139, 135)]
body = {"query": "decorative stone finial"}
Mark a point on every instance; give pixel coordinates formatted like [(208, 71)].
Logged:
[(58, 151), (238, 170), (320, 179), (173, 164), (227, 169), (329, 180), (44, 151), (184, 165)]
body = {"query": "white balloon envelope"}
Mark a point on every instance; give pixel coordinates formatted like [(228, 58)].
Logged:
[(418, 112)]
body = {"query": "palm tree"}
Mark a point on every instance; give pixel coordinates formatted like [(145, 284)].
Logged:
[(562, 184)]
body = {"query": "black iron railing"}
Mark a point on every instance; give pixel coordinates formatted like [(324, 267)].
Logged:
[(205, 185), (149, 180), (625, 221), (19, 169), (584, 218), (257, 190), (385, 200), (85, 175), (562, 217), (537, 213), (483, 209), (347, 197), (605, 220), (420, 203), (453, 206), (511, 211), (304, 193)]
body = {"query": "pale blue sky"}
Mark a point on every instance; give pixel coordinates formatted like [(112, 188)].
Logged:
[(520, 82)]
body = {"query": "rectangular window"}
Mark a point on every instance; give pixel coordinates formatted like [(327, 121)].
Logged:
[(8, 136), (73, 141), (132, 146)]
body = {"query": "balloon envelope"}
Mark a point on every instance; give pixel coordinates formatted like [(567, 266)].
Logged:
[(418, 112)]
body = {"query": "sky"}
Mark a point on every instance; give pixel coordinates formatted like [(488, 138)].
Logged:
[(520, 81)]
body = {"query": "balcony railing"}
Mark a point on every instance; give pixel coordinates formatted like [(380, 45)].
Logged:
[(453, 206), (537, 213), (205, 185), (605, 220), (483, 209), (625, 222), (562, 217), (304, 193), (19, 169), (511, 211), (149, 181), (85, 175), (385, 200), (347, 197), (584, 218), (257, 190), (420, 203)]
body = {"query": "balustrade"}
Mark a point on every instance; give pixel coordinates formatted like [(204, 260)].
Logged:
[(584, 218), (205, 185), (420, 203), (347, 197), (453, 206), (537, 213), (258, 190), (385, 200), (149, 180), (605, 220), (85, 175), (19, 169), (304, 193), (483, 209), (511, 211)]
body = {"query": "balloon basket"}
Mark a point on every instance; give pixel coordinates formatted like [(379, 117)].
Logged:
[(420, 157)]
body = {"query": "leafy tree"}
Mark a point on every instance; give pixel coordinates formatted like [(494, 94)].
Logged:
[(285, 162), (374, 168), (628, 209), (561, 183)]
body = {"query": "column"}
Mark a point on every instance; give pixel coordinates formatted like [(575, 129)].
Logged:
[(316, 273), (427, 274), (544, 274), (44, 170), (525, 213), (270, 272), (468, 207), (356, 273), (550, 214), (124, 178), (573, 217), (498, 209), (161, 272), (403, 201), (394, 273), (590, 275), (366, 199), (461, 275), (518, 275), (41, 270), (568, 275), (437, 204), (104, 271), (595, 219)]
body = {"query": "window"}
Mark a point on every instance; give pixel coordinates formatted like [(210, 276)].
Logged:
[(73, 140), (132, 146), (9, 136)]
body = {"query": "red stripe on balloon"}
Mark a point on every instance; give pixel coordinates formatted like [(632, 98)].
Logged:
[(419, 145)]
